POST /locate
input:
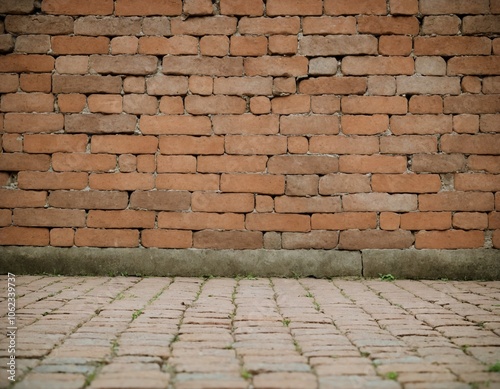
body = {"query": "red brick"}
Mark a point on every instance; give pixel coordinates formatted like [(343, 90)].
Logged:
[(453, 45), (78, 162), (421, 124), (75, 7), (184, 144), (124, 144), (187, 181), (389, 221), (124, 45), (48, 144), (252, 46), (477, 182), (79, 45), (408, 144), (372, 164), (426, 104), (302, 164), (379, 25), (175, 125), (344, 221), (292, 204), (121, 181), (202, 105), (36, 82), (9, 83), (105, 103), (172, 105), (344, 145), (97, 237), (151, 7), (474, 65), (395, 45), (235, 240), (470, 144), (121, 219), (232, 164), (374, 105), (242, 7), (406, 183), (344, 183), (333, 85), (426, 221), (23, 236), (215, 25), (246, 124), (276, 66), (438, 163), (86, 84), (107, 26), (140, 104), (17, 6), (50, 180), (62, 237), (470, 220), (39, 24), (27, 102), (436, 7), (310, 240), (346, 7), (452, 239), (15, 162), (33, 217), (176, 45), (255, 144), (123, 64), (176, 164), (269, 26), (100, 124), (198, 7), (200, 221), (222, 202), (375, 239), (88, 200), (253, 183), (278, 222), (294, 7), (10, 198), (364, 125), (329, 25), (167, 239), (362, 202), (315, 45), (214, 45), (489, 164), (243, 86), (160, 200), (456, 201), (19, 63)]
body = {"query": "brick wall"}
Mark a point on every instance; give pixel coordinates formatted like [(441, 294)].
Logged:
[(247, 124)]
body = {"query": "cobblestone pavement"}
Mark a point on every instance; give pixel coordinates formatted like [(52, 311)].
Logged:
[(184, 333)]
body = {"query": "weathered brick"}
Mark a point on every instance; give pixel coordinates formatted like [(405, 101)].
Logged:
[(253, 183), (436, 7), (302, 185), (42, 143), (362, 202), (175, 164), (284, 86), (276, 66), (294, 7), (75, 7), (202, 105), (176, 45), (72, 64), (11, 143), (317, 204), (39, 24), (22, 199), (79, 45), (344, 221), (17, 6), (189, 182), (151, 7), (175, 125), (255, 144), (474, 65), (121, 219), (377, 65), (315, 45), (31, 44), (426, 221), (333, 85), (100, 124), (191, 145), (452, 45), (242, 7), (105, 103), (98, 237), (36, 82), (51, 180), (83, 162), (123, 64), (243, 86), (32, 122), (324, 25), (18, 162), (9, 83), (36, 217), (484, 24), (344, 145), (437, 163), (491, 85), (222, 202), (269, 26), (430, 66), (232, 164), (214, 45), (245, 124), (346, 7), (344, 183), (381, 85), (456, 201), (374, 104), (471, 144), (248, 46), (167, 239), (408, 144), (406, 183), (209, 66), (283, 44), (310, 240), (302, 164), (198, 7), (124, 45), (372, 164), (121, 181), (403, 25), (167, 85), (441, 25), (428, 85), (403, 7), (421, 124), (62, 237), (237, 240), (24, 236), (487, 163), (160, 200), (375, 239), (489, 123), (140, 104), (471, 220), (426, 104), (452, 239), (291, 104), (124, 144), (278, 222), (216, 25), (477, 182), (325, 104), (322, 66), (364, 125), (200, 221), (107, 26), (27, 102), (86, 84)]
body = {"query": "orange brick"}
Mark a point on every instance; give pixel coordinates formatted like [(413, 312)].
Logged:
[(160, 200), (374, 105), (16, 162), (470, 221), (189, 182), (214, 45), (302, 164), (456, 201), (202, 105), (276, 66), (12, 143), (362, 202), (421, 124), (198, 7), (493, 220), (105, 103), (283, 44), (329, 25), (346, 7), (283, 86), (375, 239), (97, 237), (242, 7), (184, 144), (344, 144), (278, 222), (71, 103), (452, 45), (246, 124), (10, 198), (489, 123), (176, 45), (264, 203), (48, 144), (372, 164), (269, 26), (172, 105), (253, 183), (477, 182), (294, 7), (395, 45), (151, 7), (344, 183), (222, 202), (232, 164), (62, 237), (33, 217), (79, 45), (471, 84), (490, 164), (124, 45), (78, 162), (127, 163), (236, 240), (452, 239), (124, 144), (317, 204), (86, 84), (175, 125), (333, 85), (201, 85), (27, 102), (389, 221), (146, 164), (255, 144), (364, 124), (24, 236), (75, 7), (200, 221), (344, 221), (291, 104), (167, 239), (36, 83), (132, 84), (121, 181), (51, 181), (426, 221), (19, 63), (496, 239), (406, 183), (298, 145), (212, 25), (175, 164), (121, 219)]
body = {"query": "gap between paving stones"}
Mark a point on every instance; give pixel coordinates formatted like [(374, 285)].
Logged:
[(183, 333)]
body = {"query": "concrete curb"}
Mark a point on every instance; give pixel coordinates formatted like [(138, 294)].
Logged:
[(402, 264)]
